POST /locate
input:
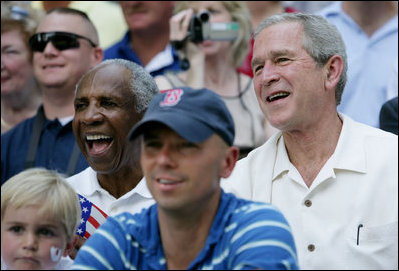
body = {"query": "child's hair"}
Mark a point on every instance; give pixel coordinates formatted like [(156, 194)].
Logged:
[(48, 189)]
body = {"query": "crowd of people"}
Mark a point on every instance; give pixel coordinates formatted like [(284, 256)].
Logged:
[(207, 135)]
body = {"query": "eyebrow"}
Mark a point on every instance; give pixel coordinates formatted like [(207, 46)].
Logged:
[(272, 55)]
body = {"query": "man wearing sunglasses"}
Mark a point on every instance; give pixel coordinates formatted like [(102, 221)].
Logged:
[(64, 47)]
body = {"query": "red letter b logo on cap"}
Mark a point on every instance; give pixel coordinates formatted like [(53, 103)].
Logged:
[(172, 97)]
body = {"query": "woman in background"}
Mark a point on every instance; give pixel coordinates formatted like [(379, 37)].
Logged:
[(214, 63), (20, 94)]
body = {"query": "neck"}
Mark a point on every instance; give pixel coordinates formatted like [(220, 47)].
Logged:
[(310, 148), (194, 224), (147, 44), (221, 78), (19, 105), (370, 15), (121, 182), (58, 102)]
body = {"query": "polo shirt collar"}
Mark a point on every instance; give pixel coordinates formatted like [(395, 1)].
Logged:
[(349, 153), (93, 186)]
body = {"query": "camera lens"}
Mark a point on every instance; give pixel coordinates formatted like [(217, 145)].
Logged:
[(204, 16)]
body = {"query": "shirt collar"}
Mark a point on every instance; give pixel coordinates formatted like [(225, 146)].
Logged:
[(349, 153), (282, 161), (161, 60), (93, 186)]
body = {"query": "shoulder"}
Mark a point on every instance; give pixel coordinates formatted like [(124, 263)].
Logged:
[(114, 50), (368, 133), (250, 212), (257, 229), (391, 105), (23, 128), (82, 177), (162, 82)]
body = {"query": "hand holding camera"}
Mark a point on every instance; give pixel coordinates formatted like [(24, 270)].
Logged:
[(187, 26)]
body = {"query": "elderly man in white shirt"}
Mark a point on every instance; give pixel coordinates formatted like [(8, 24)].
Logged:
[(335, 180), (109, 100)]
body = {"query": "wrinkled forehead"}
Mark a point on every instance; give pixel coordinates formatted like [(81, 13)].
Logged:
[(275, 36), (112, 77)]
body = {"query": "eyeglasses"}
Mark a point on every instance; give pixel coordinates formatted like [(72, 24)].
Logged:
[(60, 40)]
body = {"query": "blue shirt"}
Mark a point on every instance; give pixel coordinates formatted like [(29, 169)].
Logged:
[(244, 235), (122, 49), (54, 150), (370, 62)]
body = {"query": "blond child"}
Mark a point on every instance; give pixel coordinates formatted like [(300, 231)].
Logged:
[(39, 216)]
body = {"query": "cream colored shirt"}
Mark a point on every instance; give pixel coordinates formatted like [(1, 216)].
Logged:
[(86, 184), (348, 218)]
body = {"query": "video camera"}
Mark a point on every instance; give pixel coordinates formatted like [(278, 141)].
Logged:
[(200, 29)]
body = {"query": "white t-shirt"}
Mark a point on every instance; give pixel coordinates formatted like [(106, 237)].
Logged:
[(348, 217)]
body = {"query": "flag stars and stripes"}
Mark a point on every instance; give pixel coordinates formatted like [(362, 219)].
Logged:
[(92, 218)]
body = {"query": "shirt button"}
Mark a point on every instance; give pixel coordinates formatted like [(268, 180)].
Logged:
[(308, 203), (311, 247)]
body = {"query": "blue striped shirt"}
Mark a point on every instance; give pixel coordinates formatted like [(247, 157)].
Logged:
[(244, 235)]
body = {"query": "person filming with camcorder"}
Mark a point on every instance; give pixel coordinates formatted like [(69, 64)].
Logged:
[(212, 39)]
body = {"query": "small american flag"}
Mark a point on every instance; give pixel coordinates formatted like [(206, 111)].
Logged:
[(92, 218)]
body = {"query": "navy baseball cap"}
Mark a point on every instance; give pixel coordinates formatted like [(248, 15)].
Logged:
[(195, 114)]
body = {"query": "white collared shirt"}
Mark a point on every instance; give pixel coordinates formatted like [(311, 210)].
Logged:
[(86, 184), (162, 59), (348, 217)]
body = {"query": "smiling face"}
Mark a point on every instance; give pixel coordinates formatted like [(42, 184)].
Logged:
[(58, 68), (30, 240), (16, 68), (182, 175), (104, 114), (288, 83)]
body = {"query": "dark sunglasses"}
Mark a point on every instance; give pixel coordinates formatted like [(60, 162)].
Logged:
[(60, 40)]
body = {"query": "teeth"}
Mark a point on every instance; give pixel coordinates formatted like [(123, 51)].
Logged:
[(97, 137), (163, 181), (277, 95)]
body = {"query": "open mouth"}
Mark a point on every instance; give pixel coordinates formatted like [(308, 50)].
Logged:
[(277, 96), (98, 144)]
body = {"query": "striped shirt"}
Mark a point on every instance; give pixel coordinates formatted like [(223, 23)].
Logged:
[(244, 235)]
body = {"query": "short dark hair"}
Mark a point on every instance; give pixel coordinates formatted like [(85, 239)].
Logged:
[(66, 10)]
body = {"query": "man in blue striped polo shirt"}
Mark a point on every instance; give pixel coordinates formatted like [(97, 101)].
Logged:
[(187, 138)]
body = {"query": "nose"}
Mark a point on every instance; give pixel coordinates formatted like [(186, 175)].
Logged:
[(50, 49), (269, 74), (92, 114), (165, 156), (30, 241)]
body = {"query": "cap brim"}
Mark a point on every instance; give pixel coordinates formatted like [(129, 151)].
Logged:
[(191, 129)]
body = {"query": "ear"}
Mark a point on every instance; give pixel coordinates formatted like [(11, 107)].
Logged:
[(70, 246), (98, 55), (333, 69), (230, 161)]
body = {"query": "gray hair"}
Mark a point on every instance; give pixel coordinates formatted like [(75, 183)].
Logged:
[(142, 84), (321, 40)]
